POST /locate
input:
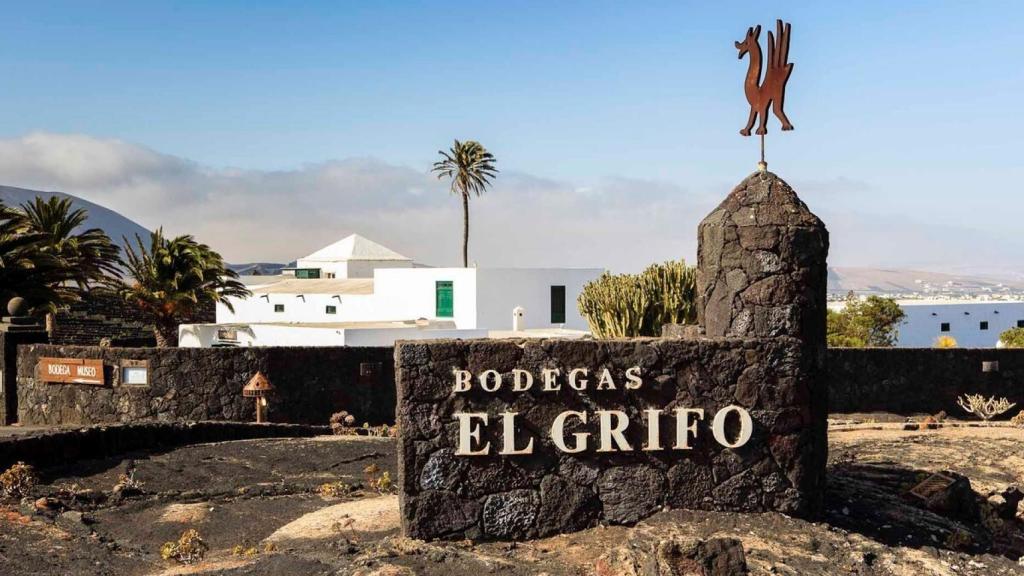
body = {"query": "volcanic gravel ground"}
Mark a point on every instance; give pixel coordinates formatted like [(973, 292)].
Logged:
[(261, 494)]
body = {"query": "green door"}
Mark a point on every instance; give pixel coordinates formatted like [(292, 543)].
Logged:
[(445, 299)]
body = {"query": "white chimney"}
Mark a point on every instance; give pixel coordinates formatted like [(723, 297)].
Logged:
[(518, 321)]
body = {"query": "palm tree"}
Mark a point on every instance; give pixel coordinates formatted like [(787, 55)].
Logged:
[(90, 254), (471, 169), (26, 269), (173, 279), (89, 257)]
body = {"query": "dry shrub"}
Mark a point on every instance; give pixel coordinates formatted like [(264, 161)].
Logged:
[(377, 480), (1018, 420), (18, 480), (127, 485), (984, 408), (343, 423), (959, 539), (246, 551), (189, 549), (333, 489), (382, 431)]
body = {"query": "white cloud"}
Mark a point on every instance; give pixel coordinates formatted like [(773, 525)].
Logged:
[(618, 223), (279, 215)]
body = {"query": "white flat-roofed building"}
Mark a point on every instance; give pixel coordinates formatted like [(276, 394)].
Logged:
[(972, 323), (395, 303)]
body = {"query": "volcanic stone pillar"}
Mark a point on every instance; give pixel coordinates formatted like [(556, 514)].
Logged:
[(761, 267), (762, 273)]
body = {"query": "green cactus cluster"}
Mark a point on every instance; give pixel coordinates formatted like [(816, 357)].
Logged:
[(629, 305)]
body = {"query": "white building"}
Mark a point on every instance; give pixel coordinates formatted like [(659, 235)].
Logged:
[(350, 257), (356, 292), (972, 323)]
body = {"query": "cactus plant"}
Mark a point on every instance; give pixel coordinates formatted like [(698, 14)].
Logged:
[(628, 305)]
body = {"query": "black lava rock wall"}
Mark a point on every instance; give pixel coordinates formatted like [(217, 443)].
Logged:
[(921, 380), (206, 384)]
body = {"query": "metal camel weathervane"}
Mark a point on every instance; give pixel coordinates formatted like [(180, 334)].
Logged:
[(772, 90)]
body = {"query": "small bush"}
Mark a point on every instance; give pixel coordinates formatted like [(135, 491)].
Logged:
[(1013, 338), (377, 480), (189, 549), (127, 485), (959, 539), (382, 431), (945, 342), (18, 480), (246, 551), (333, 489)]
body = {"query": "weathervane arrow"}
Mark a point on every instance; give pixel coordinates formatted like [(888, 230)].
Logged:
[(772, 90)]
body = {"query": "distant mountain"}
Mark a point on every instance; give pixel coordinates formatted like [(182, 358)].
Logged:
[(259, 268), (115, 225)]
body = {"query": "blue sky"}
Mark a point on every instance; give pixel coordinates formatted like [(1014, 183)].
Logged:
[(906, 114)]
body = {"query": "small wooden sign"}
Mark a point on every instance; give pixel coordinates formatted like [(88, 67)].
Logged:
[(71, 371)]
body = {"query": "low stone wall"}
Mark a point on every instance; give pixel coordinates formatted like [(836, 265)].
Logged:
[(206, 384), (56, 447), (468, 470), (198, 384), (921, 380)]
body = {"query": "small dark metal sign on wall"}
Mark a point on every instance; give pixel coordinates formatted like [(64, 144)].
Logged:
[(71, 371)]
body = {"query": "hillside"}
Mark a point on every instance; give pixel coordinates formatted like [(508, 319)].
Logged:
[(114, 224), (898, 281)]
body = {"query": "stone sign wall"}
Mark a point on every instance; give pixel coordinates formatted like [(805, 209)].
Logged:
[(520, 439)]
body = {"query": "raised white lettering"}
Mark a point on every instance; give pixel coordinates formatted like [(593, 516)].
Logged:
[(558, 432), (493, 375), (549, 375), (610, 433), (522, 380), (746, 426), (685, 428), (508, 444), (606, 382), (575, 384), (633, 380), (462, 380), (653, 416), (468, 433)]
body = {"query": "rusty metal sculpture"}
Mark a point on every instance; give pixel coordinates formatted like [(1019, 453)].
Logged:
[(772, 90)]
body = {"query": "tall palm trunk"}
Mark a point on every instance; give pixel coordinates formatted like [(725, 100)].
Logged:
[(166, 333), (465, 229)]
